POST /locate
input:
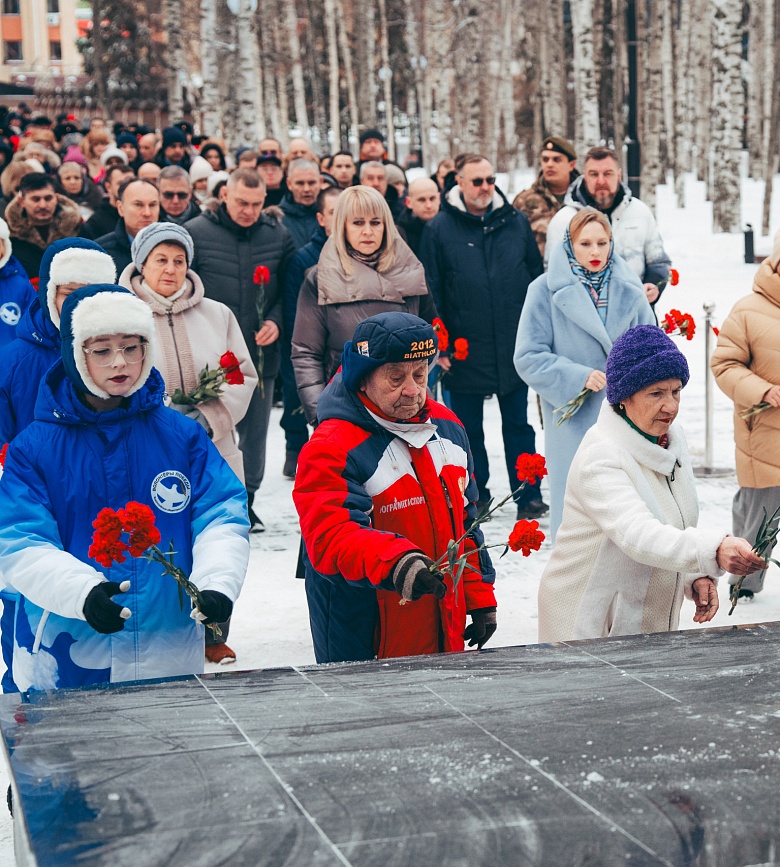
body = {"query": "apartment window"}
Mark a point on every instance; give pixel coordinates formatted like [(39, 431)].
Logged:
[(12, 50), (55, 50), (10, 7), (53, 7)]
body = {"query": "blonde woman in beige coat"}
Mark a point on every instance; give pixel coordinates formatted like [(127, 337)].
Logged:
[(746, 365), (192, 331)]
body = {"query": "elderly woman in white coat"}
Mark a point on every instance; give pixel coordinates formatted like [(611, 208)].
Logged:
[(192, 331), (628, 547), (570, 318)]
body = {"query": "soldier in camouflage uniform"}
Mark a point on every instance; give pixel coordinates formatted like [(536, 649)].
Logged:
[(545, 197)]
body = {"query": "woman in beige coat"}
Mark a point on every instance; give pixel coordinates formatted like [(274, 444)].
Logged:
[(192, 331), (746, 365)]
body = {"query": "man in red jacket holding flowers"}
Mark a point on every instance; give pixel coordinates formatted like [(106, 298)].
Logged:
[(386, 494)]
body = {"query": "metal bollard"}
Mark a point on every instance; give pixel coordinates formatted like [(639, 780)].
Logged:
[(709, 404), (750, 253)]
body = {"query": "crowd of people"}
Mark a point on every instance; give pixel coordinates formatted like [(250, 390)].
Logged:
[(134, 263)]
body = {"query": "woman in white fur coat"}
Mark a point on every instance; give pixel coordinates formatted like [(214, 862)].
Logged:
[(628, 547), (192, 331)]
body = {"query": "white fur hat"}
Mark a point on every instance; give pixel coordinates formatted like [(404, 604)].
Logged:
[(103, 312), (77, 264), (214, 179), (200, 168), (110, 152)]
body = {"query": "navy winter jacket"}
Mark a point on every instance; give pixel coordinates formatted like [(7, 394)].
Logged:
[(479, 269)]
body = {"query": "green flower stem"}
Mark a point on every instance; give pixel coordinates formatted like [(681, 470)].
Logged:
[(181, 578)]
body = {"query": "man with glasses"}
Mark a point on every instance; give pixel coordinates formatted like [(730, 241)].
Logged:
[(176, 200), (480, 255)]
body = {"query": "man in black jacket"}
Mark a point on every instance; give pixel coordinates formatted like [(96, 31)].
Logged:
[(104, 220), (480, 255), (176, 199), (300, 201), (241, 255), (422, 205), (138, 205)]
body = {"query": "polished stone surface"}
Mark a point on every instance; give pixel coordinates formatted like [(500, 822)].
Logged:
[(647, 750)]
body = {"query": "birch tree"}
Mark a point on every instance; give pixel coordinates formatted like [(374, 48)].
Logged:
[(552, 68), (585, 79), (280, 68), (250, 123), (294, 45), (387, 77), (346, 54), (651, 131), (174, 57), (365, 50), (334, 113), (727, 110), (209, 69)]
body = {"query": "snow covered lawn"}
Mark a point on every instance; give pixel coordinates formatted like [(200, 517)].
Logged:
[(270, 625)]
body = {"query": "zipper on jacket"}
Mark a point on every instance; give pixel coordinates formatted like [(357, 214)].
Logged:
[(169, 314), (669, 480)]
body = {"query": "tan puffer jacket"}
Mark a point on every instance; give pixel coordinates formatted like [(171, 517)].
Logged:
[(746, 363)]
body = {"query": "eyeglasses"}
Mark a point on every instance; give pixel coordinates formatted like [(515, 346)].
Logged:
[(479, 181), (180, 196), (133, 353)]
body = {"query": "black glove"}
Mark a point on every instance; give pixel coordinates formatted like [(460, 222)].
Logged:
[(101, 613), (214, 606), (481, 628), (412, 578)]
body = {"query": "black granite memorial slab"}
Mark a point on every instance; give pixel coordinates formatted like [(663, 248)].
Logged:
[(645, 750)]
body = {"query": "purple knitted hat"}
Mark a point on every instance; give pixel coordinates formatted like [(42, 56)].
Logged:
[(641, 356)]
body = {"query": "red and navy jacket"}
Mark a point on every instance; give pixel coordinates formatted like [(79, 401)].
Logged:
[(368, 491)]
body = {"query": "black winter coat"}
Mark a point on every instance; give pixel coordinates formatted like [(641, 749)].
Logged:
[(103, 221), (478, 269), (117, 245), (226, 256), (299, 220)]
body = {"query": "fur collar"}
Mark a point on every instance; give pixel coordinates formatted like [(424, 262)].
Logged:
[(65, 224)]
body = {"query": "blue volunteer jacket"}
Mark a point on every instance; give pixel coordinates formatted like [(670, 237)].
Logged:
[(16, 295), (60, 472)]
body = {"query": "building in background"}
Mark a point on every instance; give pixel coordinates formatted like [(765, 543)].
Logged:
[(38, 39)]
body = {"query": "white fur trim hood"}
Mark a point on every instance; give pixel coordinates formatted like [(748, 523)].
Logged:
[(77, 265), (112, 313)]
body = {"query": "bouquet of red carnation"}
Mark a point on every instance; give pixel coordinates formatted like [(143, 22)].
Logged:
[(677, 322), (525, 535), (137, 521), (459, 351), (210, 382)]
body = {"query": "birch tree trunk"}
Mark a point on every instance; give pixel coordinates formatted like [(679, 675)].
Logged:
[(585, 80), (281, 71), (334, 113), (250, 125), (552, 69), (757, 87), (770, 128), (387, 78), (265, 32), (769, 85), (702, 89), (175, 59), (467, 105), (299, 91), (652, 117), (668, 71), (685, 109), (209, 69), (727, 110), (346, 55), (365, 61)]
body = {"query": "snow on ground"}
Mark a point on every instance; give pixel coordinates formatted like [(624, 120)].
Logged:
[(270, 625)]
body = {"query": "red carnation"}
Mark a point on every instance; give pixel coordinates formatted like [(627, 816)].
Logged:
[(530, 468), (3, 453), (461, 349), (107, 546), (442, 334), (674, 277), (229, 364), (715, 330), (526, 537), (262, 275)]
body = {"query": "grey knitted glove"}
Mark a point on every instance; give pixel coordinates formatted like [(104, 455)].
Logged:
[(412, 577)]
